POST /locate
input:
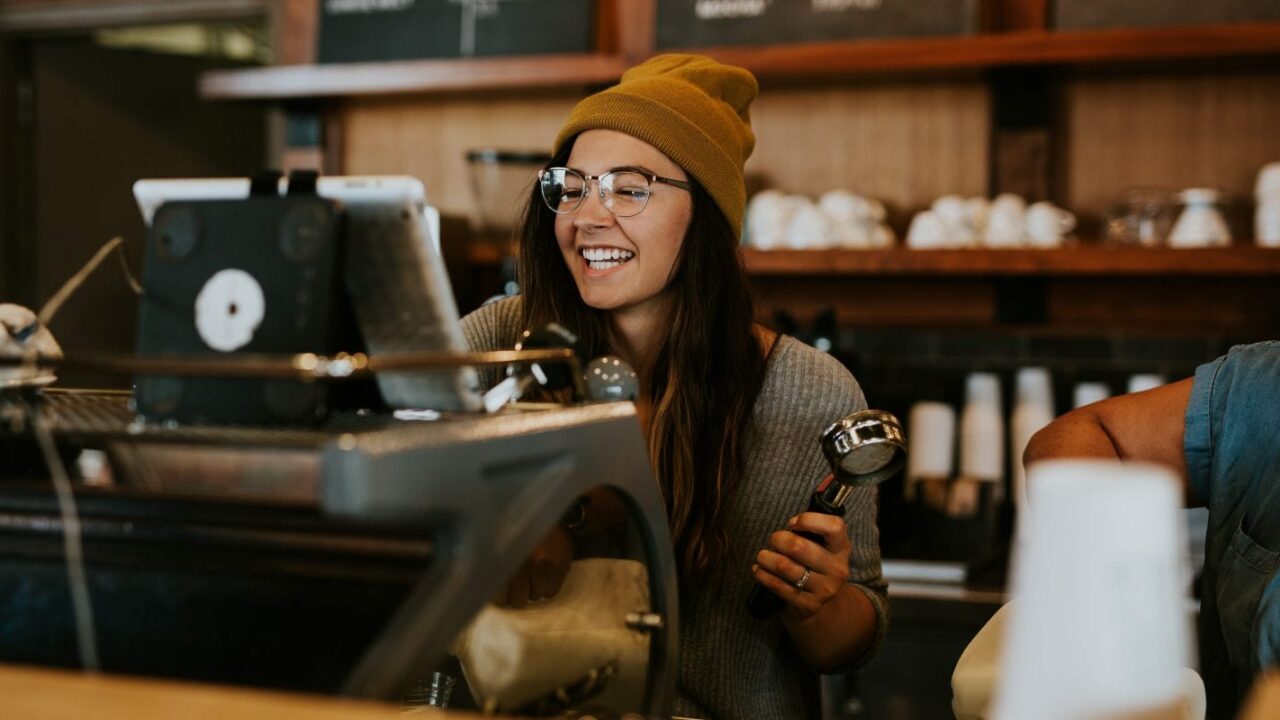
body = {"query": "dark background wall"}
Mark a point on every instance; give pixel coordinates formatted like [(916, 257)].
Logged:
[(92, 120)]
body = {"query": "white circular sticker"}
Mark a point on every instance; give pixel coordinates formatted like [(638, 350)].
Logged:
[(229, 309)]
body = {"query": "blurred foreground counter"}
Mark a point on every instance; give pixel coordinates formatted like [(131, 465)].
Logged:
[(38, 694), (355, 558)]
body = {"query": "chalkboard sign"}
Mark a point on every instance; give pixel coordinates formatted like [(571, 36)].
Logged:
[(360, 30), (706, 23), (1082, 14)]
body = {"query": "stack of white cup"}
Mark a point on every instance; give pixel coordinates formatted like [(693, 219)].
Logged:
[(1088, 393), (931, 440), (982, 430), (1032, 410), (1098, 628), (1267, 218), (1142, 382)]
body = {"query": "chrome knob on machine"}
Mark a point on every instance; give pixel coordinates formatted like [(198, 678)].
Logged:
[(608, 379)]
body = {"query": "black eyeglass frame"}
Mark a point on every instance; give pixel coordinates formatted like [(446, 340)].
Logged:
[(586, 184)]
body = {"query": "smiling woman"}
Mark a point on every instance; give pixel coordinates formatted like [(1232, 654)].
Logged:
[(599, 228), (631, 240)]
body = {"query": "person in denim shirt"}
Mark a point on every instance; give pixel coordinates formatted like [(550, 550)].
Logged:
[(1221, 430)]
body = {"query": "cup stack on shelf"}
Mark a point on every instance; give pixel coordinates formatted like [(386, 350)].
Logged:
[(954, 222), (931, 434), (839, 219), (1142, 382), (1266, 226), (1032, 410), (1088, 393), (980, 437), (982, 430)]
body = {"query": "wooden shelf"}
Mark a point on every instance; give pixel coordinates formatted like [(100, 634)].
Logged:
[(411, 76), (768, 62), (1036, 47), (1080, 262), (1086, 261)]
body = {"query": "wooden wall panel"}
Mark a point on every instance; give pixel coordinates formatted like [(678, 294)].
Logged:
[(1168, 130), (296, 28), (904, 143), (429, 137)]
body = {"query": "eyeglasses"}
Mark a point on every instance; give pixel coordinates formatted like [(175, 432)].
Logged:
[(623, 192)]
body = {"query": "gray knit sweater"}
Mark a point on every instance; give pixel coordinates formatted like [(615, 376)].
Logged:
[(731, 665)]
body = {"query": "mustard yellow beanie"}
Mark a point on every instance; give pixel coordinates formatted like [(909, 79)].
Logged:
[(692, 108)]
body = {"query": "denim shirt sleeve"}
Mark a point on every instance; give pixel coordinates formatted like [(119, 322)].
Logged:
[(1226, 397), (1197, 438)]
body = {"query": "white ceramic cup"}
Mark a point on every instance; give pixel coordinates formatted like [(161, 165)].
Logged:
[(1009, 203), (977, 208), (768, 214), (1098, 628), (1005, 227), (1200, 224), (952, 210), (1046, 225), (853, 235), (882, 237), (810, 228), (926, 232), (845, 206)]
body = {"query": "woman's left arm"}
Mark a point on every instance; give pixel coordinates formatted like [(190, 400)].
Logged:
[(831, 621)]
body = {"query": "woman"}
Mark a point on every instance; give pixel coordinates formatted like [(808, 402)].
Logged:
[(630, 240)]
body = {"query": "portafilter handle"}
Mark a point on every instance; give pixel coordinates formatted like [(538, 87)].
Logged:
[(865, 448)]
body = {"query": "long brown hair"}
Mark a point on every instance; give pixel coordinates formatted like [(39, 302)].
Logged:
[(707, 373)]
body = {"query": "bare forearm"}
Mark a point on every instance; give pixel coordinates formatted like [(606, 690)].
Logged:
[(1144, 427), (838, 634), (1076, 434)]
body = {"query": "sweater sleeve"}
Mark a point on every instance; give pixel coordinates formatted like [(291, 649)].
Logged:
[(805, 393), (495, 326), (844, 396)]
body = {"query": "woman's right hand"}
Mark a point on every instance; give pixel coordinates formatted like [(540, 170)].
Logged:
[(542, 573)]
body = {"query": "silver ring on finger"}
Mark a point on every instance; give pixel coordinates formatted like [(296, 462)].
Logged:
[(803, 579)]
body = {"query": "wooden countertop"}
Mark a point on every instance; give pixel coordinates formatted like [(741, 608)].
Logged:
[(44, 694)]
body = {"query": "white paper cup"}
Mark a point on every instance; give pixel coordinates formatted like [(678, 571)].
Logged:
[(982, 429), (1268, 184), (1141, 382), (1266, 222), (931, 441), (1032, 410), (1087, 393), (1098, 629)]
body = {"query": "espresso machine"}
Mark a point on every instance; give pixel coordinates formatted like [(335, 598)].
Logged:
[(269, 509)]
